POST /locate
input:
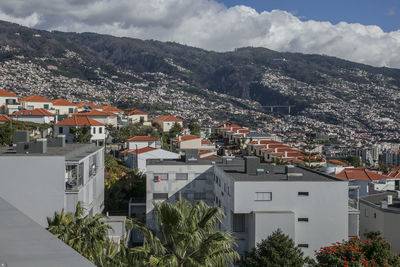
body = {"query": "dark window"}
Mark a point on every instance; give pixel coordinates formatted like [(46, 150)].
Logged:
[(181, 176), (100, 130), (141, 119), (302, 219), (239, 222), (70, 110), (160, 195), (374, 215), (94, 130), (302, 245), (60, 130), (302, 194), (397, 185), (46, 106)]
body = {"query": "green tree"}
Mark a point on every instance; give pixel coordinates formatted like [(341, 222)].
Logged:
[(81, 134), (194, 128), (375, 251), (275, 251), (188, 237), (175, 130)]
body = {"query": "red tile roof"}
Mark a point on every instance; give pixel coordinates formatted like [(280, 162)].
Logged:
[(62, 102), (111, 109), (135, 112), (141, 138), (93, 106), (187, 137), (38, 112), (79, 121), (94, 113), (5, 118), (167, 118), (6, 93), (362, 174), (337, 162), (142, 150), (35, 98), (211, 157), (394, 174)]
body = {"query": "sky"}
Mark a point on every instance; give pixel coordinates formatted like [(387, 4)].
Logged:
[(365, 31)]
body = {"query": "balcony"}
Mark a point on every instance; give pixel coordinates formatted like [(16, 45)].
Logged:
[(73, 177)]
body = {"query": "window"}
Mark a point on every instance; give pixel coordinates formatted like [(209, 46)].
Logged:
[(216, 179), (302, 219), (60, 130), (100, 130), (302, 245), (302, 194), (160, 195), (181, 176), (263, 196), (70, 110), (200, 196), (46, 106), (141, 119), (239, 222), (94, 130), (160, 176)]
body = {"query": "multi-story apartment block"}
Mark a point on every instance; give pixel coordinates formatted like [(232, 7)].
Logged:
[(312, 208), (48, 175), (390, 158)]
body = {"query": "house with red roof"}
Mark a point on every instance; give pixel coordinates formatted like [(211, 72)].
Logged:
[(105, 117), (137, 158), (64, 107), (9, 101), (97, 129), (138, 142), (167, 121), (4, 119), (180, 143), (114, 110), (37, 115), (136, 115), (361, 176), (35, 101)]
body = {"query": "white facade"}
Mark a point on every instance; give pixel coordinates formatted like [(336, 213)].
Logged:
[(36, 119), (36, 184), (6, 100), (35, 105), (167, 125), (98, 133), (139, 161), (65, 110), (106, 120), (131, 145)]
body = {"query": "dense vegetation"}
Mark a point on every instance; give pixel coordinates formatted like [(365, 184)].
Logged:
[(7, 130)]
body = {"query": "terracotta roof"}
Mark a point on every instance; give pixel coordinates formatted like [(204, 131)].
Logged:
[(62, 102), (5, 118), (35, 98), (93, 106), (205, 142), (96, 113), (167, 118), (135, 112), (394, 174), (337, 162), (6, 93), (141, 138), (142, 150), (40, 112), (79, 121), (211, 157), (362, 174), (187, 137), (111, 109)]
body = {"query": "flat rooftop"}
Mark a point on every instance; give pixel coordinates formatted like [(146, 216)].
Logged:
[(24, 243), (376, 199), (72, 152)]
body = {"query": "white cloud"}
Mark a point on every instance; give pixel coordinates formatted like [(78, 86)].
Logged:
[(209, 25)]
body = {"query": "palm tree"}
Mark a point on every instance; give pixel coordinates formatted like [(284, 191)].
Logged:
[(188, 237)]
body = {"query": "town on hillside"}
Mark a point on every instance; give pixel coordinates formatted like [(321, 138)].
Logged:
[(60, 157)]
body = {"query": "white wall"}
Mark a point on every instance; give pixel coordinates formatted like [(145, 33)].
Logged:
[(140, 144), (4, 98), (64, 110), (36, 119), (33, 105)]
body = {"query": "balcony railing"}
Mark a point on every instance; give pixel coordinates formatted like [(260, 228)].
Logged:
[(73, 177)]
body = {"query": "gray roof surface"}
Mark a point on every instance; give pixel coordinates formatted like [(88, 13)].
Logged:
[(72, 152), (276, 173), (24, 243), (375, 199)]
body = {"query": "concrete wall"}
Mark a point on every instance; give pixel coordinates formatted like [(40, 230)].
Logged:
[(373, 218), (33, 184)]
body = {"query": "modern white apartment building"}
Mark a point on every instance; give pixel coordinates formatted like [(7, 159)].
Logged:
[(48, 175), (312, 208)]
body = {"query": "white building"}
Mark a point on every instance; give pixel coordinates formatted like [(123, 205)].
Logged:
[(310, 207), (106, 118), (37, 115), (138, 142), (136, 159), (35, 101), (8, 102), (44, 177), (64, 107), (381, 212), (138, 116), (166, 122), (97, 129)]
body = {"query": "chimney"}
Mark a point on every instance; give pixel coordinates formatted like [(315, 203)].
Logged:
[(258, 141), (276, 150), (40, 146), (390, 199), (285, 154), (251, 164)]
